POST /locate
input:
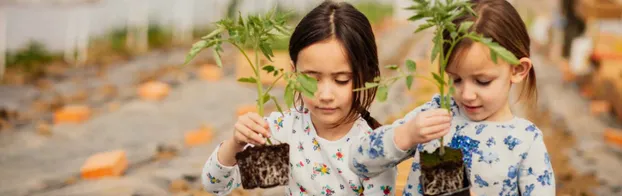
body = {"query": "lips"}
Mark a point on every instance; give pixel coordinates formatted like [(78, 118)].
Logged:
[(471, 109), (326, 109)]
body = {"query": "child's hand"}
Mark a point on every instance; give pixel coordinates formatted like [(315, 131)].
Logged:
[(426, 126), (250, 129)]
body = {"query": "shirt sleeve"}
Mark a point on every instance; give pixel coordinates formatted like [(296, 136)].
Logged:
[(217, 178), (220, 179), (536, 173), (382, 184), (375, 151)]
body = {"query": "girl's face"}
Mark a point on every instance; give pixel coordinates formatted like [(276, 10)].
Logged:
[(482, 87), (327, 62)]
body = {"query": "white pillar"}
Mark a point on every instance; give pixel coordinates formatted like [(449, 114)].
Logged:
[(3, 44), (70, 36), (138, 22), (83, 35), (183, 22)]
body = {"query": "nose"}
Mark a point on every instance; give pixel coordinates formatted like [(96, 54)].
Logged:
[(325, 92), (467, 92)]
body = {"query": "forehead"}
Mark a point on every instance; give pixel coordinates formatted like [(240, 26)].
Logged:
[(474, 59), (327, 56)]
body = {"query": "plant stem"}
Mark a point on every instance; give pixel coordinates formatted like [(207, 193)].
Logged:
[(260, 94), (442, 64)]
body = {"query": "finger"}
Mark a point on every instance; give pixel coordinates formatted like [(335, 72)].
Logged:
[(240, 138), (435, 120), (436, 112), (262, 122), (254, 126), (439, 134), (435, 129), (249, 134)]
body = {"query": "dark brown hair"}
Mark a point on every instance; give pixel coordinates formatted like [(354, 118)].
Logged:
[(343, 22), (498, 20)]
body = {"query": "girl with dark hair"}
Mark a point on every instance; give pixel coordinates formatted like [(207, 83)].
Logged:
[(504, 154), (334, 43)]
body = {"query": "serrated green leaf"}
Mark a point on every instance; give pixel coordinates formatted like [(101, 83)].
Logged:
[(217, 57), (505, 54), (416, 17), (308, 84), (438, 79), (212, 34), (266, 50), (247, 80), (275, 73), (265, 98), (435, 51), (493, 56), (268, 68), (424, 27), (289, 95), (411, 65), (450, 26), (453, 35), (391, 67), (382, 93), (409, 81), (196, 48), (464, 27)]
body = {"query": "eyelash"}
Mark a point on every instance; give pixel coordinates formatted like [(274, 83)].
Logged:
[(456, 81), (342, 82)]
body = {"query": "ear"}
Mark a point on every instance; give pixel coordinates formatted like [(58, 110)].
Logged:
[(520, 71)]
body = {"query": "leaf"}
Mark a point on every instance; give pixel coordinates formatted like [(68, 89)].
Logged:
[(268, 68), (454, 35), (435, 51), (438, 79), (289, 95), (196, 48), (212, 34), (265, 99), (411, 65), (424, 27), (248, 80), (416, 17), (382, 93), (391, 67), (506, 55), (409, 81), (217, 57), (468, 7), (266, 50), (493, 56), (464, 27), (308, 84)]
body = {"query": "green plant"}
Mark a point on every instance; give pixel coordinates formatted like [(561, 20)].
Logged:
[(440, 15), (258, 33), (31, 58)]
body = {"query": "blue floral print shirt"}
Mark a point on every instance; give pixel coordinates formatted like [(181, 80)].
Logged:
[(317, 166), (503, 158)]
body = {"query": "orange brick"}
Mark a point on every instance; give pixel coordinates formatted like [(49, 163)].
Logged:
[(105, 164), (210, 72), (72, 114), (243, 109), (613, 136), (153, 90), (599, 107), (198, 137)]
